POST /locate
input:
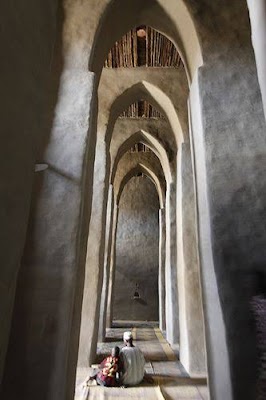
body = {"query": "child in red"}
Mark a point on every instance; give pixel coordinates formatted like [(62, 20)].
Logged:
[(110, 370)]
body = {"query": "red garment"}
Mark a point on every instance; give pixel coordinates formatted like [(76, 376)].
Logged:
[(109, 367)]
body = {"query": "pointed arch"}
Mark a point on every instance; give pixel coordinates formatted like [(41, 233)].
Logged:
[(155, 96), (170, 18), (141, 168), (151, 142)]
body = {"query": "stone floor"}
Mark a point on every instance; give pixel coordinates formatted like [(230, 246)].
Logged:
[(171, 382)]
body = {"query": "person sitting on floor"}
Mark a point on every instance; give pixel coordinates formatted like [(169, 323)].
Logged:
[(110, 369), (133, 362)]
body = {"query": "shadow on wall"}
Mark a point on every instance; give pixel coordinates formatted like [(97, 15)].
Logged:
[(258, 306), (242, 284), (51, 262), (25, 368)]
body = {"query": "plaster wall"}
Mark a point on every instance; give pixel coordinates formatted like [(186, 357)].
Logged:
[(158, 128), (137, 252), (218, 359), (236, 215), (110, 298), (106, 271), (231, 144), (241, 247), (94, 260), (49, 280), (192, 333), (130, 161), (154, 133), (171, 290), (235, 147), (26, 110), (161, 277), (115, 81)]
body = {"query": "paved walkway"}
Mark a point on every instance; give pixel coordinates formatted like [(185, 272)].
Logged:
[(171, 382)]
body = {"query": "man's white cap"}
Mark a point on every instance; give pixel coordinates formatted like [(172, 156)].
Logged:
[(127, 336)]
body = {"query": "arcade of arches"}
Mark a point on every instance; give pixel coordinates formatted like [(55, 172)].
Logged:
[(133, 193)]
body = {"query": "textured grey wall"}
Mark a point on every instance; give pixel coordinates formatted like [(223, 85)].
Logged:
[(27, 41), (137, 257), (35, 132)]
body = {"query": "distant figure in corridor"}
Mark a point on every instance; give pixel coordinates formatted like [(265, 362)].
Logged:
[(110, 369), (133, 362)]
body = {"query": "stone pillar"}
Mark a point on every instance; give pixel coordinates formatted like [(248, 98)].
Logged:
[(192, 340), (109, 310), (106, 273), (29, 86), (216, 347), (53, 256), (229, 163), (171, 297), (230, 153), (257, 14), (94, 261), (161, 275)]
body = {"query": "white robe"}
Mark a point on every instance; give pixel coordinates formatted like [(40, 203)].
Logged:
[(134, 362)]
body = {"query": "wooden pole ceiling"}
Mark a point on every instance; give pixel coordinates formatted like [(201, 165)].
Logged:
[(143, 47)]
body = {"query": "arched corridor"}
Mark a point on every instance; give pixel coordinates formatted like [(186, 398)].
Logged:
[(133, 193)]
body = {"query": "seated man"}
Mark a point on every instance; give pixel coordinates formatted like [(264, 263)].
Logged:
[(110, 370), (133, 362)]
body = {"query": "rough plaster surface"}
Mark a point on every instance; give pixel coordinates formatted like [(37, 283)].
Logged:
[(220, 384), (125, 139), (109, 310), (130, 161), (26, 75), (171, 294), (116, 81), (237, 215), (137, 252), (161, 275), (106, 271), (44, 298), (192, 334), (94, 261), (44, 304), (158, 128), (146, 91)]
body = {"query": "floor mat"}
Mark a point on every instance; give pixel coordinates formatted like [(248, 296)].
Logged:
[(141, 392)]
